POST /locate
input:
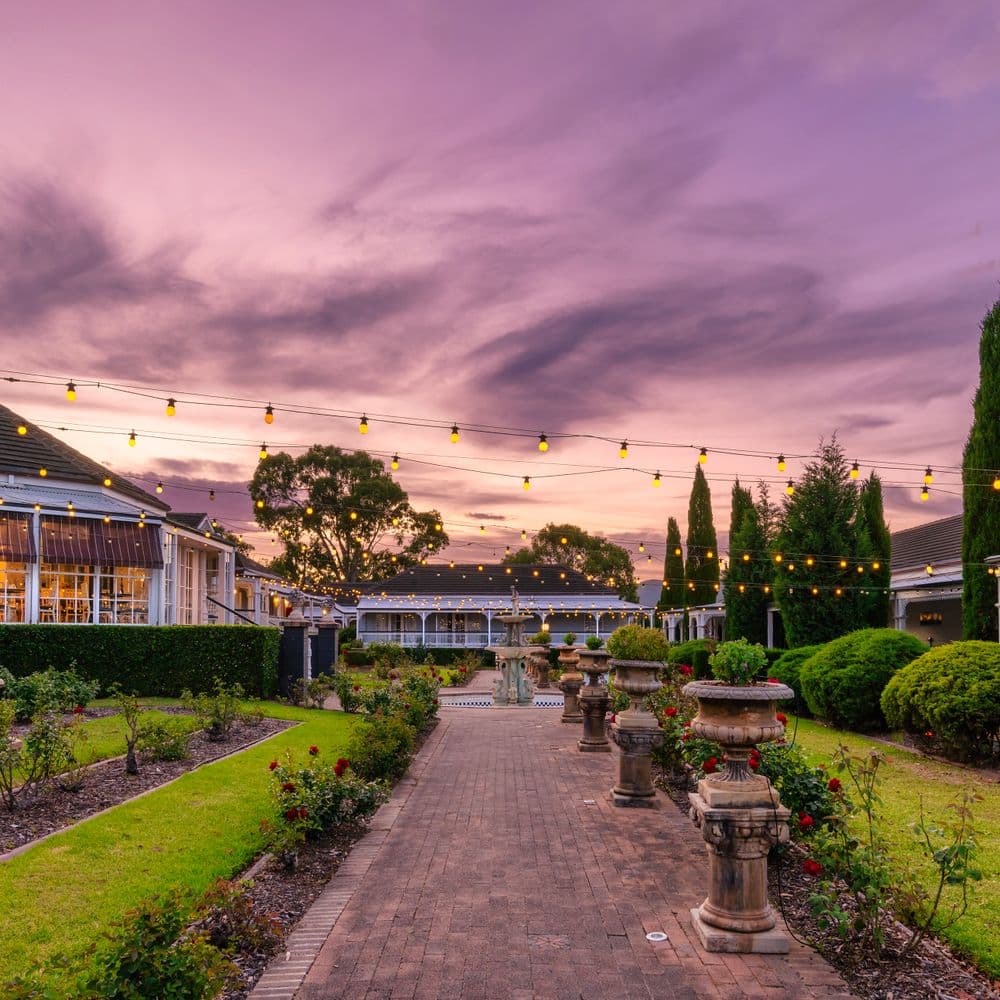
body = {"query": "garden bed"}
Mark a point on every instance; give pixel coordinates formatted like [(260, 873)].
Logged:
[(106, 784), (930, 972)]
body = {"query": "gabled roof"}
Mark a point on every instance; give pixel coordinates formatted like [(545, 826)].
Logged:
[(486, 578), (185, 519), (245, 566), (25, 454), (935, 542)]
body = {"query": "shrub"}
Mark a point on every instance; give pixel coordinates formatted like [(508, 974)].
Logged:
[(594, 642), (843, 681), (45, 750), (445, 656), (389, 653), (347, 689), (738, 662), (695, 653), (803, 788), (234, 922), (357, 658), (217, 711), (152, 954), (151, 660), (951, 695), (380, 748), (60, 690), (540, 638), (569, 638), (163, 739), (633, 642), (786, 669)]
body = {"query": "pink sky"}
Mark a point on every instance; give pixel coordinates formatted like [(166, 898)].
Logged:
[(741, 226)]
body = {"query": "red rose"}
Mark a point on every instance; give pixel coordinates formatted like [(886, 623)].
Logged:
[(303, 812), (272, 765), (78, 710), (687, 723), (711, 765), (670, 711), (288, 786), (811, 867), (461, 670), (612, 717), (341, 766), (782, 718), (437, 701), (929, 735), (313, 750), (685, 736), (291, 815), (754, 763), (357, 687), (773, 680), (685, 670), (834, 785), (806, 822), (393, 676)]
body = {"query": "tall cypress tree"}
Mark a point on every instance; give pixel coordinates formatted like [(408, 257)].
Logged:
[(748, 571), (819, 523), (980, 473), (875, 544), (702, 567), (672, 591)]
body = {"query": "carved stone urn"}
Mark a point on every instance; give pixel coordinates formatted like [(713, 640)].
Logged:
[(540, 665), (635, 732), (740, 817), (570, 684), (594, 701)]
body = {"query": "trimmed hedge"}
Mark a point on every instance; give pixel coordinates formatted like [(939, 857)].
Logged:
[(950, 695), (152, 660), (786, 668), (843, 681), (445, 656), (695, 653)]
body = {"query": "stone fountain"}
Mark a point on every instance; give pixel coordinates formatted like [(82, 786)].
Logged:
[(513, 687)]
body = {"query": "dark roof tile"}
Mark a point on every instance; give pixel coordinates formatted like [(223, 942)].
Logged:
[(493, 578), (935, 542)]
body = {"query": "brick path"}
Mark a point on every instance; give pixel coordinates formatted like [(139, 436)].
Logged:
[(498, 878)]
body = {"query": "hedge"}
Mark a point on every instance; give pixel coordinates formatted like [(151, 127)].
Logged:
[(786, 668), (445, 656), (950, 696), (695, 653), (152, 660)]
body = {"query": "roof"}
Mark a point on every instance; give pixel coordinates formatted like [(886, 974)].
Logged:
[(25, 454), (187, 520), (245, 566), (490, 578), (935, 542), (56, 498)]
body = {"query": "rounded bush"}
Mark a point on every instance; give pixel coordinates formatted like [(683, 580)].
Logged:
[(952, 692), (786, 669), (843, 681)]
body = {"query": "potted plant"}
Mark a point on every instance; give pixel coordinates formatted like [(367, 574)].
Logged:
[(540, 657), (570, 680), (569, 638), (593, 642), (594, 698)]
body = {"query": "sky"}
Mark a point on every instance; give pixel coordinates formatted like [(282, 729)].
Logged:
[(743, 226)]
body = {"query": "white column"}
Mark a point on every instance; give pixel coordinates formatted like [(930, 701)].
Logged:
[(32, 578), (597, 623), (770, 628), (423, 627), (901, 604), (489, 627)]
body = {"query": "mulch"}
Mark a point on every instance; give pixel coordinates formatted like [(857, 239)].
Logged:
[(106, 784), (930, 972)]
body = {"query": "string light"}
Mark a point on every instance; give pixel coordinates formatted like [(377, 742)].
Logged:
[(924, 493), (746, 557), (263, 451), (269, 414), (810, 560), (70, 391), (107, 480), (781, 463), (677, 551), (623, 450), (524, 534), (996, 483), (159, 487), (642, 546), (928, 476), (843, 564), (527, 483), (354, 516), (43, 472), (876, 565), (482, 529), (790, 488), (855, 472), (363, 424), (929, 569), (309, 510), (777, 557), (211, 495), (454, 433), (260, 505), (395, 462), (131, 439), (171, 407), (656, 478), (22, 428), (107, 518), (703, 456), (543, 443)]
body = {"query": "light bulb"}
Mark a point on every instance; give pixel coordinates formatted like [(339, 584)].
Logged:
[(843, 564), (395, 462), (781, 463), (642, 546), (269, 414), (159, 487), (107, 480), (211, 495), (482, 529), (527, 483), (454, 434), (996, 483), (354, 516), (924, 493), (703, 456), (656, 478), (677, 551), (70, 391), (22, 428), (260, 505), (309, 510), (263, 451), (810, 560), (43, 472), (171, 407), (524, 535), (131, 440), (790, 488), (746, 557), (623, 450), (363, 424), (543, 443), (778, 557), (928, 476), (854, 471), (929, 569), (876, 565)]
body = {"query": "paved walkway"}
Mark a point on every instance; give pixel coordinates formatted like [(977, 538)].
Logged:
[(502, 870)]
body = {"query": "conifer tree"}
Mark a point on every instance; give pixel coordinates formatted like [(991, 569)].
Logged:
[(702, 566), (672, 591), (819, 522), (748, 572), (875, 546), (981, 490)]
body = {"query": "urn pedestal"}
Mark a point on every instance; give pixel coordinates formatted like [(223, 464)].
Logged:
[(594, 701), (636, 733), (740, 817), (540, 662), (570, 684)]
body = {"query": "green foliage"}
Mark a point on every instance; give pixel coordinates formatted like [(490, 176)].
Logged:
[(981, 509), (803, 788), (129, 711), (380, 748), (820, 521), (234, 922), (569, 638), (843, 681), (387, 655), (738, 662), (672, 588), (329, 544), (746, 612), (702, 566), (151, 953), (540, 638), (593, 642), (696, 653), (633, 642), (152, 660), (163, 739), (445, 656), (45, 750), (786, 669), (875, 544), (951, 697), (51, 689), (357, 658), (586, 553), (218, 710)]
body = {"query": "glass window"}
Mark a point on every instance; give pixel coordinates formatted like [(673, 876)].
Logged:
[(12, 580), (66, 594), (125, 596), (186, 587)]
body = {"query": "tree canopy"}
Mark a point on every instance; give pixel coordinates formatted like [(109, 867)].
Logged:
[(672, 589), (341, 517), (569, 545), (702, 566), (749, 569)]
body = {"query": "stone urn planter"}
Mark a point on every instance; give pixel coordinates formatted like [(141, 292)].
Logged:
[(739, 815), (594, 701), (570, 684), (635, 732), (540, 666)]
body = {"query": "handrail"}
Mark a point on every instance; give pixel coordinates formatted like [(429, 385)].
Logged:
[(232, 611)]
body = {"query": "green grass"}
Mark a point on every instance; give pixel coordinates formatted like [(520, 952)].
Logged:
[(906, 780), (59, 897)]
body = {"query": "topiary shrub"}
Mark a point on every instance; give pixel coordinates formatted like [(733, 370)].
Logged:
[(786, 669), (843, 681), (950, 695), (633, 642)]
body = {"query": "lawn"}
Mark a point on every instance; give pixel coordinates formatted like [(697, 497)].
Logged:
[(60, 896), (909, 779)]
